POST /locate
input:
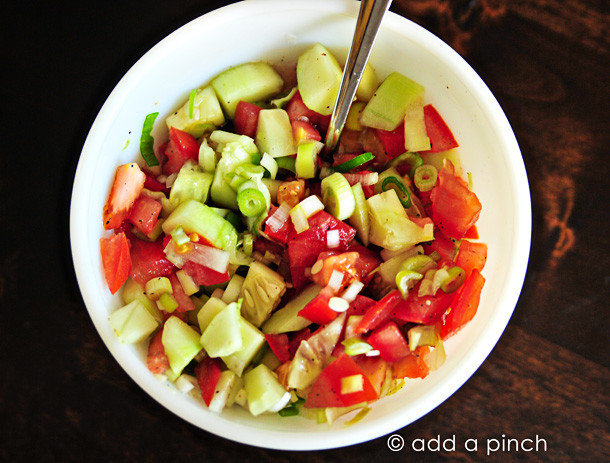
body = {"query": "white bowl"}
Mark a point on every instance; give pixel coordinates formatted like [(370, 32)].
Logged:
[(252, 30)]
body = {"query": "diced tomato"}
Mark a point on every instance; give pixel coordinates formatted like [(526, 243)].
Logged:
[(360, 305), (156, 359), (317, 310), (454, 207), (279, 344), (380, 312), (304, 130), (424, 309), (291, 192), (204, 276), (246, 118), (326, 390), (152, 184), (184, 302), (208, 373), (126, 187), (181, 148), (374, 368), (297, 110), (145, 213), (441, 137), (368, 260), (148, 261), (412, 365), (471, 256), (389, 341), (464, 306), (393, 141), (343, 262), (264, 246), (472, 233), (295, 339), (116, 260), (446, 247)]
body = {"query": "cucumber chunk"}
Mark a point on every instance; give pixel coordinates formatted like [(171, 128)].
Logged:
[(274, 133), (134, 291), (212, 307), (191, 183), (319, 78), (252, 341), (251, 82), (387, 107), (181, 343), (222, 336), (263, 389), (206, 114), (132, 323), (360, 218), (261, 292), (286, 319)]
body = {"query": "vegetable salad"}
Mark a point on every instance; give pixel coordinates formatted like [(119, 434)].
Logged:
[(263, 272)]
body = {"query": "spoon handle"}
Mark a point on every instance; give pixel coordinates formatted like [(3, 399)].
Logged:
[(369, 19)]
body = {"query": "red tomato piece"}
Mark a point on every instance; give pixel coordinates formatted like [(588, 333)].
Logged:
[(184, 301), (368, 260), (156, 359), (116, 260), (454, 207), (343, 262), (246, 118), (304, 130), (295, 340), (145, 213), (374, 368), (317, 310), (152, 184), (464, 306), (126, 187), (204, 276), (393, 141), (148, 261), (440, 135), (208, 373), (446, 247), (471, 256), (282, 234), (425, 309), (326, 390), (181, 148), (379, 313), (390, 342), (279, 344), (360, 305), (297, 110), (412, 365)]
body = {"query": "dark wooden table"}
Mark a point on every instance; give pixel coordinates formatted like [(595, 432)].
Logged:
[(63, 398)]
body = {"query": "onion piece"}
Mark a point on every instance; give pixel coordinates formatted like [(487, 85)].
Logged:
[(336, 280), (338, 304), (281, 215), (299, 220), (352, 291), (311, 205), (332, 239)]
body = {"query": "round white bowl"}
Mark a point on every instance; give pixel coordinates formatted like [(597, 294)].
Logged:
[(276, 29)]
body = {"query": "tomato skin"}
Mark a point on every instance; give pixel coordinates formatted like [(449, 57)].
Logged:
[(156, 359), (126, 187), (393, 141), (412, 365), (279, 344), (374, 368), (342, 262), (145, 213), (455, 208), (304, 130), (317, 310), (446, 247), (464, 306), (425, 309), (181, 148), (246, 118), (204, 276), (116, 260), (440, 135), (152, 184), (208, 373), (148, 261), (471, 256), (297, 110), (294, 340), (379, 313), (390, 342), (184, 302), (326, 390)]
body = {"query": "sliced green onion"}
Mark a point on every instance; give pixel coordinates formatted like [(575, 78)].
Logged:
[(179, 236), (398, 185), (147, 141), (248, 244), (167, 302), (307, 158), (405, 280), (454, 280), (234, 220), (156, 287), (355, 346), (250, 171), (337, 196), (290, 410), (286, 162), (354, 162), (251, 202), (256, 158), (423, 335), (192, 102), (299, 219), (425, 177), (419, 263), (413, 160), (269, 163)]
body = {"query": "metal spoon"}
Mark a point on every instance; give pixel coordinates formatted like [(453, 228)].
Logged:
[(369, 19)]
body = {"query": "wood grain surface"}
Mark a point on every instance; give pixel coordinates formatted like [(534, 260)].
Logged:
[(63, 397)]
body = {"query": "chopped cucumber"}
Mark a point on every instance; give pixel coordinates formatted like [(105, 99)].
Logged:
[(274, 133), (222, 138), (307, 158), (353, 116), (337, 196), (416, 136), (222, 336), (249, 82), (208, 311), (206, 114), (386, 108), (360, 218), (224, 388), (286, 319), (263, 389), (261, 292), (134, 291), (191, 183), (195, 217), (181, 343), (132, 323), (319, 78), (155, 287), (252, 341), (368, 84)]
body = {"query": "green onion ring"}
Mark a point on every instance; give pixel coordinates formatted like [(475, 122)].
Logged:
[(354, 162), (425, 177), (251, 202), (147, 141), (192, 102), (400, 187)]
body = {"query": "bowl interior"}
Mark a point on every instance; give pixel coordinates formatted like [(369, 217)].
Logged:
[(190, 57)]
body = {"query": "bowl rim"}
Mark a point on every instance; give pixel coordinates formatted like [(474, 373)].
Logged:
[(323, 439)]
